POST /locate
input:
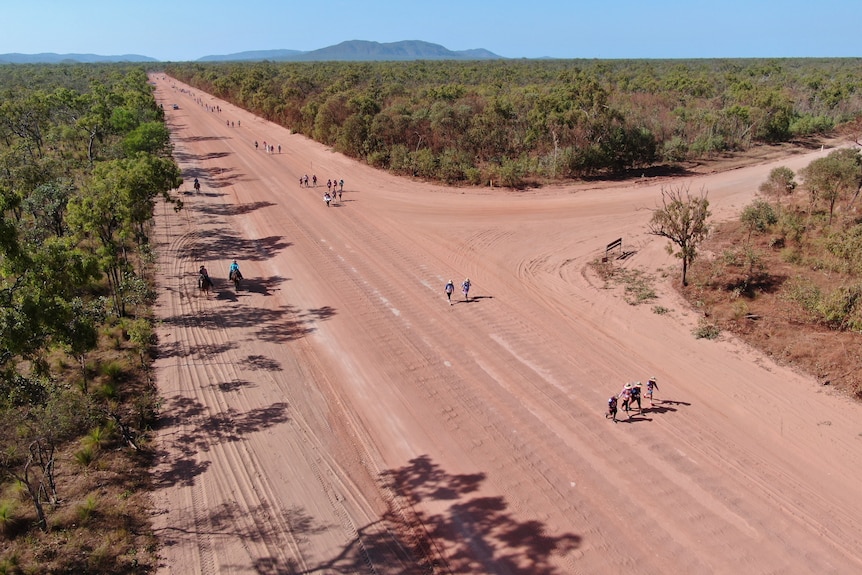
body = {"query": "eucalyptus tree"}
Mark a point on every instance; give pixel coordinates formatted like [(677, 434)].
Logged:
[(114, 208), (834, 177), (682, 218)]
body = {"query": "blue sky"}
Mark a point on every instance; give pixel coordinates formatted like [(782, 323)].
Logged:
[(190, 29)]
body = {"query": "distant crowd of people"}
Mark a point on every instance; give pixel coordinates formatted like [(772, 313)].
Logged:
[(268, 148)]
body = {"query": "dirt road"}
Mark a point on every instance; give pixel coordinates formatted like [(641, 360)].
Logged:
[(337, 415)]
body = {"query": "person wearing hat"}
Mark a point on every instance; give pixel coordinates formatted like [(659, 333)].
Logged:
[(636, 395), (450, 287), (465, 287), (651, 386), (234, 271), (626, 396)]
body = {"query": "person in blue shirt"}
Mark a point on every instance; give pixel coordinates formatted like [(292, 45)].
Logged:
[(234, 269), (465, 287), (450, 287)]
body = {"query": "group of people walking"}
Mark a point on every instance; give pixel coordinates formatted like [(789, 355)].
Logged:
[(450, 288), (268, 148), (334, 188), (630, 395)]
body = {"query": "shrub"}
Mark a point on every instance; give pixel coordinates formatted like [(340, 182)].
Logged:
[(8, 516), (792, 225), (108, 390), (759, 216), (10, 565), (803, 292), (87, 509), (85, 456), (842, 308), (97, 438), (847, 246), (806, 125), (113, 370), (706, 330), (511, 173)]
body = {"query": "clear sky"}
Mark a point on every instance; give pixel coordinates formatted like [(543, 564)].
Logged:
[(189, 29)]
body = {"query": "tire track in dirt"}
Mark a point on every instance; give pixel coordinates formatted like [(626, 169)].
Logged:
[(322, 476), (196, 313)]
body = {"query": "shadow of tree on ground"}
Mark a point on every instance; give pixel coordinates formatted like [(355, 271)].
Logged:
[(223, 244), (274, 325), (473, 535), (192, 429), (472, 529)]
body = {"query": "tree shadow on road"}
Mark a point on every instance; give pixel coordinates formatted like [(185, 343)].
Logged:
[(474, 527), (231, 209), (477, 532), (263, 286), (202, 138), (190, 428), (320, 313), (219, 245), (278, 325), (260, 363)]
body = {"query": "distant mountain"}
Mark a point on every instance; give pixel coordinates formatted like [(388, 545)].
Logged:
[(254, 55), (362, 51), (350, 51), (51, 58)]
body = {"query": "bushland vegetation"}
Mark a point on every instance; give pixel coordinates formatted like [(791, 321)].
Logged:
[(518, 122), (84, 155), (787, 275)]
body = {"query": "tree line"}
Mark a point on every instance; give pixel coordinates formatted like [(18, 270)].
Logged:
[(84, 156), (516, 122)]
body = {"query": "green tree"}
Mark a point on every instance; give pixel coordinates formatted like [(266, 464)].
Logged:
[(758, 216), (780, 183), (114, 208), (681, 219), (834, 177), (150, 137)]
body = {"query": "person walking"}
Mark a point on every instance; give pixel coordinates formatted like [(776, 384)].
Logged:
[(314, 179), (626, 397), (327, 198), (612, 408), (450, 287), (465, 287), (636, 395), (651, 386)]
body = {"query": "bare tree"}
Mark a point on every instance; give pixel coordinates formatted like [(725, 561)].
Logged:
[(681, 219)]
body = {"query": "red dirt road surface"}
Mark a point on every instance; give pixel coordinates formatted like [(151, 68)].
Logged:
[(337, 415)]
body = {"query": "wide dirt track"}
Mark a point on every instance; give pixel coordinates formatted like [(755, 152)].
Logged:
[(336, 415)]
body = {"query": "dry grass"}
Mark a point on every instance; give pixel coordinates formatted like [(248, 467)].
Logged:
[(101, 523)]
